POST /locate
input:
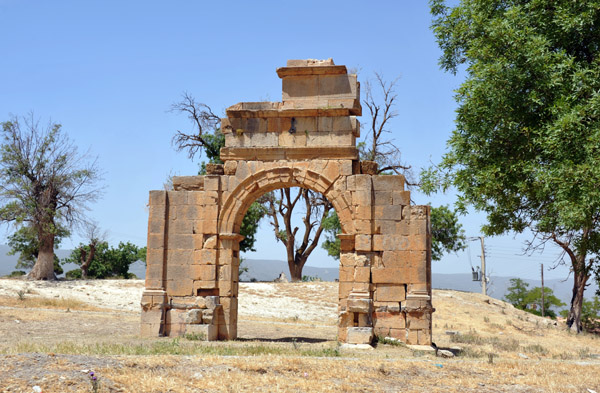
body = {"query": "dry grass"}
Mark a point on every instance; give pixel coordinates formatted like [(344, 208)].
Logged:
[(31, 301), (530, 355)]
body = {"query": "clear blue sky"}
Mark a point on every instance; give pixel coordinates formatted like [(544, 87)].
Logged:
[(109, 70)]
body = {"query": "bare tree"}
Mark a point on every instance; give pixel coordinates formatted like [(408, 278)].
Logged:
[(380, 99), (44, 184), (205, 124), (298, 250)]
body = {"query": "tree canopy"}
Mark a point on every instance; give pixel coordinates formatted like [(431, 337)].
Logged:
[(526, 145), (107, 261), (45, 184)]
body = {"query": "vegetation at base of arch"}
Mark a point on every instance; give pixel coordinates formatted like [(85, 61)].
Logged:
[(526, 148), (108, 261)]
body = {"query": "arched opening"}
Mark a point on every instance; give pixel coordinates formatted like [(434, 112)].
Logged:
[(281, 297), (314, 319)]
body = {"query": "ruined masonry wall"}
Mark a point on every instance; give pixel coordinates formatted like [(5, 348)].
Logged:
[(307, 140)]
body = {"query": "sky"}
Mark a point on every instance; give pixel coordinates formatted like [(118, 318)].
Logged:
[(108, 71)]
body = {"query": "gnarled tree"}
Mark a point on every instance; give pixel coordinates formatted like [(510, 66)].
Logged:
[(45, 184)]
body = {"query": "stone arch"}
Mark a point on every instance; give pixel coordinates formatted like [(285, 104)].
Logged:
[(266, 180), (307, 140)]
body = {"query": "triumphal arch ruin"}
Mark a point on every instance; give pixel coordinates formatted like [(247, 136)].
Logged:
[(307, 140)]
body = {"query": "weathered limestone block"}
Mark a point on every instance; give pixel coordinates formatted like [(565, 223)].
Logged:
[(390, 293), (187, 183), (207, 332), (359, 335), (362, 242), (193, 317)]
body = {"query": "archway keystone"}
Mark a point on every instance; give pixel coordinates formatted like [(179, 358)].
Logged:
[(307, 140)]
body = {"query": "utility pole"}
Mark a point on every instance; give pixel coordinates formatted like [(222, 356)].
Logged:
[(543, 290), (483, 276)]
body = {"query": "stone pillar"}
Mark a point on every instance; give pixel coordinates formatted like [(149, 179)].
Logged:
[(154, 298), (228, 279)]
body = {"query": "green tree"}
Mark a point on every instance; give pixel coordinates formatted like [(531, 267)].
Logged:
[(534, 301), (107, 261), (447, 234), (517, 293), (590, 314), (332, 227), (527, 140), (45, 184)]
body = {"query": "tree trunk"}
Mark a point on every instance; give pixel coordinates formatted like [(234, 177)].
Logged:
[(86, 259), (296, 269), (579, 282), (44, 266)]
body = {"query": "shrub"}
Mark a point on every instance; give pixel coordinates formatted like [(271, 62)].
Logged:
[(74, 274)]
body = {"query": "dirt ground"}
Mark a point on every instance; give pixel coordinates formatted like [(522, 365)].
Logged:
[(54, 334)]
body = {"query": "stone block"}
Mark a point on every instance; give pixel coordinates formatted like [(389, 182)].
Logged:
[(393, 320), (401, 198), (180, 287), (180, 257), (418, 243), (203, 272), (359, 335), (396, 259), (212, 183), (347, 273), (207, 332), (208, 315), (389, 276), (205, 288), (230, 167), (362, 274), (180, 242), (299, 87), (205, 257), (418, 321), (193, 317), (368, 168), (157, 198), (346, 242), (388, 183), (390, 293), (399, 334), (362, 243), (177, 198), (384, 198), (150, 329), (424, 337), (359, 305), (363, 226), (296, 139)]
